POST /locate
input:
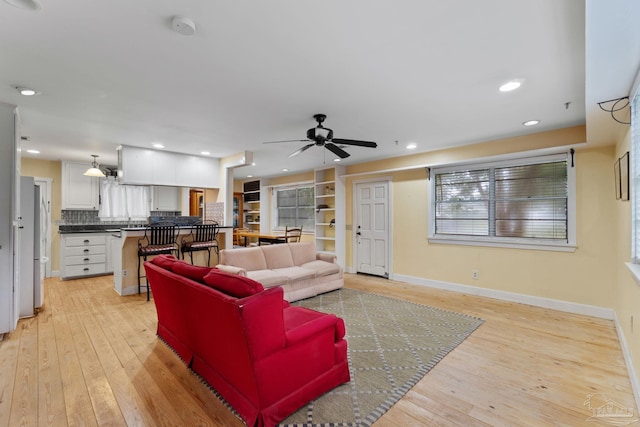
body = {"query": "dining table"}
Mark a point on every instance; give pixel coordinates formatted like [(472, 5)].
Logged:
[(261, 237)]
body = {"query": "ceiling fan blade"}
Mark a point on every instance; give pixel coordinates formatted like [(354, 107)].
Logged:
[(354, 142), (300, 150), (336, 150), (286, 140)]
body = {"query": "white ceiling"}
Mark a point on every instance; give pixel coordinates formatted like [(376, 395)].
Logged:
[(113, 72)]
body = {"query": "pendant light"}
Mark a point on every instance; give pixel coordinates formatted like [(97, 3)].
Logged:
[(94, 170)]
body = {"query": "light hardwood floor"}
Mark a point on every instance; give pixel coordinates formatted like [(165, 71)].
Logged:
[(91, 357)]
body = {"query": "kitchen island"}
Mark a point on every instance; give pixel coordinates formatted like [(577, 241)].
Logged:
[(124, 253)]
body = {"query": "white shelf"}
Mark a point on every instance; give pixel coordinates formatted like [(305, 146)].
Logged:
[(318, 196), (325, 238)]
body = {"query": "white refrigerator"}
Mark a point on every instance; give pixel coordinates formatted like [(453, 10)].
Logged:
[(31, 278)]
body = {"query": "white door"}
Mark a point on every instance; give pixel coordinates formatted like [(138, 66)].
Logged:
[(372, 228)]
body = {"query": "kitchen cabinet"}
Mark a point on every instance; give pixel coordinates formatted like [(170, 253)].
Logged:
[(142, 166), (165, 199), (79, 191), (83, 254)]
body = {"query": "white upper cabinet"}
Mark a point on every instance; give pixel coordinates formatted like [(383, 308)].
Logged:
[(79, 191), (153, 167), (166, 199)]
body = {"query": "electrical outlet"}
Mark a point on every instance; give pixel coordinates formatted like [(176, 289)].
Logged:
[(125, 273), (475, 274)]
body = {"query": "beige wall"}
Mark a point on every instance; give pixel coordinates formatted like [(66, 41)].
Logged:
[(585, 276), (627, 290), (49, 169)]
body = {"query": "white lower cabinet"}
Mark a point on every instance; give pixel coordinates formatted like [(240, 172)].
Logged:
[(83, 254)]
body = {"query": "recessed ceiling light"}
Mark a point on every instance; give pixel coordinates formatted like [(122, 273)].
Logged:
[(285, 170), (531, 122), (31, 151), (249, 176), (253, 164), (337, 160), (509, 86), (25, 4), (25, 91), (205, 153), (411, 145), (157, 145)]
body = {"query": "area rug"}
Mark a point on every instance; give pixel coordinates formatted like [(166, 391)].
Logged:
[(392, 345)]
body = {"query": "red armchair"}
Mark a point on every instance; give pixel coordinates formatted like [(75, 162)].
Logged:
[(266, 358)]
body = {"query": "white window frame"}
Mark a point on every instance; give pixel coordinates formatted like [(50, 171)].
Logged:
[(509, 242), (274, 203)]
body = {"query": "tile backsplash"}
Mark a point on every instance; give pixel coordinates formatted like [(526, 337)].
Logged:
[(85, 217)]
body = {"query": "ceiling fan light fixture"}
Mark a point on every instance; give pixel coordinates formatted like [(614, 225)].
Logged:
[(94, 170)]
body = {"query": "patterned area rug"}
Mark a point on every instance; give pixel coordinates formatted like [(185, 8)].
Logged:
[(392, 345)]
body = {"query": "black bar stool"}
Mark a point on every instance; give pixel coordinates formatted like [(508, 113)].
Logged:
[(158, 239), (203, 237)]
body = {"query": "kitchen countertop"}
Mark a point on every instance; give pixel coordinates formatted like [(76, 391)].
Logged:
[(91, 228)]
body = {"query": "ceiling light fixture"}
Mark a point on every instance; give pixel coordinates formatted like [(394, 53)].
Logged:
[(412, 146), (25, 91), (94, 170), (157, 145), (205, 153), (249, 176), (31, 151), (510, 85), (25, 4), (337, 159), (531, 122), (285, 170)]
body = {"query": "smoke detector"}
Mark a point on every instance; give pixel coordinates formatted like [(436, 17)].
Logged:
[(182, 25)]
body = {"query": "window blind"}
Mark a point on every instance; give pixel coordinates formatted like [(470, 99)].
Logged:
[(295, 207), (634, 178), (525, 201)]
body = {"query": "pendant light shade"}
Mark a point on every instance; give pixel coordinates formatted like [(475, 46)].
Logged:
[(94, 170)]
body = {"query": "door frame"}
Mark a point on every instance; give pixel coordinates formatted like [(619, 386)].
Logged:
[(354, 213)]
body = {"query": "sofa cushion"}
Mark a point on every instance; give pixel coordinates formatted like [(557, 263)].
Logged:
[(193, 272), (302, 252), (322, 268), (295, 273), (268, 278), (232, 284), (164, 261), (248, 258), (277, 256)]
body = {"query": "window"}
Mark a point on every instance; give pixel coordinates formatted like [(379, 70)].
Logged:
[(520, 202), (634, 179), (294, 207)]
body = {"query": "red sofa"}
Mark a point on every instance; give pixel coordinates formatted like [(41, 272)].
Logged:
[(265, 357)]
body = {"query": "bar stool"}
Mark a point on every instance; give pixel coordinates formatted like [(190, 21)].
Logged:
[(158, 239), (203, 237)]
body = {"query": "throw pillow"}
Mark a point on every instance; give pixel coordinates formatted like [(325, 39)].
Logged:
[(164, 261), (193, 272), (232, 284)]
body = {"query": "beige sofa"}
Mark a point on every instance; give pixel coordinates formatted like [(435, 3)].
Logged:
[(296, 267)]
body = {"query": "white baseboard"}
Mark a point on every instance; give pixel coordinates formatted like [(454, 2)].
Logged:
[(635, 385), (570, 307), (55, 273)]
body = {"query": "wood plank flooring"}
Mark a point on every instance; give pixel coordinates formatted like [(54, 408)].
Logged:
[(91, 358)]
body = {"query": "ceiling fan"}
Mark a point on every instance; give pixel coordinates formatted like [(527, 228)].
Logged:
[(323, 137)]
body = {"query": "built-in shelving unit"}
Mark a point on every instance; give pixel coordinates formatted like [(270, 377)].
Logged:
[(330, 212), (251, 205)]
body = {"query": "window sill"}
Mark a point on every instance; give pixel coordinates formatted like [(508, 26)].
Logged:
[(635, 271), (519, 244)]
